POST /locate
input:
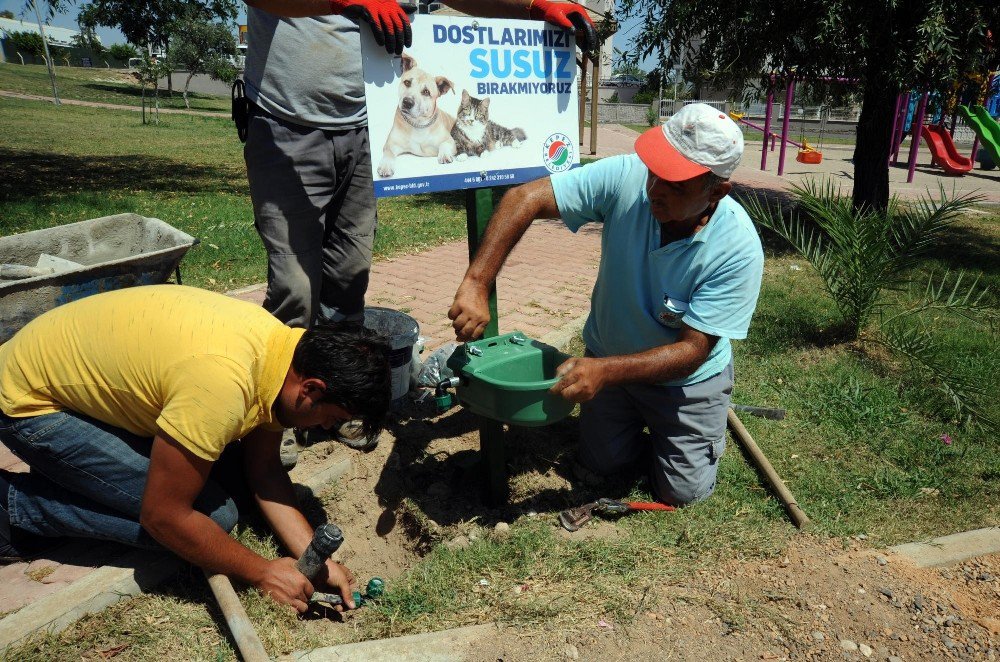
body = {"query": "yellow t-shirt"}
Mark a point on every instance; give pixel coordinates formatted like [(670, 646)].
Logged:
[(202, 367)]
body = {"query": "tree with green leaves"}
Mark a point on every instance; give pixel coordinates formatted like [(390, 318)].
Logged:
[(88, 35), (148, 22), (626, 67), (6, 13), (885, 47), (148, 74), (123, 52), (27, 42), (203, 47)]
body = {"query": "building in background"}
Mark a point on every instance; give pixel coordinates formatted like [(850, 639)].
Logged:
[(64, 37)]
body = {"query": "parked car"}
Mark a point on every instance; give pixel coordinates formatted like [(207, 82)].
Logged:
[(622, 80)]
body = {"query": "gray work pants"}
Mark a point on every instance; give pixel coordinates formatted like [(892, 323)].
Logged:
[(687, 434), (314, 208)]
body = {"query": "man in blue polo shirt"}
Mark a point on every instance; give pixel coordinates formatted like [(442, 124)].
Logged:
[(680, 272)]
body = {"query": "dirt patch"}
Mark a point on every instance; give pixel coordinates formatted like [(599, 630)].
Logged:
[(818, 602)]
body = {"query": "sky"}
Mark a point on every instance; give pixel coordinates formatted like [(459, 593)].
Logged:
[(68, 19), (109, 36)]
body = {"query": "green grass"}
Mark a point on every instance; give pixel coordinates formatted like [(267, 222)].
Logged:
[(99, 85), (67, 164)]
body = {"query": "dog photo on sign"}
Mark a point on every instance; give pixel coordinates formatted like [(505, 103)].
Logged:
[(419, 126)]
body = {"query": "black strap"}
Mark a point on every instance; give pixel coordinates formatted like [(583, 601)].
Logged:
[(241, 110)]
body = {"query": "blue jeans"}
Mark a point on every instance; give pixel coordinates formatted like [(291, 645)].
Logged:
[(87, 480)]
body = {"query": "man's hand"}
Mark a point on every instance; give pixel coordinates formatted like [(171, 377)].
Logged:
[(470, 313), (567, 15), (283, 582), (580, 379), (388, 21), (340, 579)]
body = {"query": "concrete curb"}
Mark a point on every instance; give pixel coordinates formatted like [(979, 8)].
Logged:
[(443, 646), (138, 572), (955, 548)]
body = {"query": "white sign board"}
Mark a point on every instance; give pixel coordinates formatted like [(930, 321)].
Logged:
[(511, 84)]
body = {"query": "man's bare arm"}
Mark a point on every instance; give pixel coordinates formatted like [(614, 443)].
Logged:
[(582, 378), (275, 496), (176, 478), (518, 208)]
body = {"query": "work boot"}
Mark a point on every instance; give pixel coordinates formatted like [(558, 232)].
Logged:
[(352, 435), (289, 449)]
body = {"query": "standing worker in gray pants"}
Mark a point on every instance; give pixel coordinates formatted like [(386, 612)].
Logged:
[(680, 272), (307, 152)]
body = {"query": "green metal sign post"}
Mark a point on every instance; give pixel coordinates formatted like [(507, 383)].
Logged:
[(478, 209)]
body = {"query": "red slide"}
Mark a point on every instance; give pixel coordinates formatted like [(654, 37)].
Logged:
[(943, 150)]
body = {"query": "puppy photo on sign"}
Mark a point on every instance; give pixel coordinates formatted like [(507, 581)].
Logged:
[(419, 127)]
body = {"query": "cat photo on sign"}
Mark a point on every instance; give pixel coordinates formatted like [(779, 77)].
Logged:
[(475, 134)]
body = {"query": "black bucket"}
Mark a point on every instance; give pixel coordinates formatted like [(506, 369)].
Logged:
[(402, 332)]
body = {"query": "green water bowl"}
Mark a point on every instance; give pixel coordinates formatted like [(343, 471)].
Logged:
[(507, 378)]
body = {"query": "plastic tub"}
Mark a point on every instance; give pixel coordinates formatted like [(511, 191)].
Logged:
[(402, 332), (508, 378)]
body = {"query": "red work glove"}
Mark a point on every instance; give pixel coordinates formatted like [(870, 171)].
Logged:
[(566, 15), (388, 20)]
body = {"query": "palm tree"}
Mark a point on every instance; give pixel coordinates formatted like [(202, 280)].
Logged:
[(864, 254)]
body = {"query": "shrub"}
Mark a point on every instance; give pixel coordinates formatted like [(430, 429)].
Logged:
[(123, 52), (653, 115)]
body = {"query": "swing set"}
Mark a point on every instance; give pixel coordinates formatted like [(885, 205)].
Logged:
[(807, 153)]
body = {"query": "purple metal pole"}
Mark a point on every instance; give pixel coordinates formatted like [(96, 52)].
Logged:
[(784, 126), (767, 128), (918, 123), (975, 142), (895, 121), (903, 111)]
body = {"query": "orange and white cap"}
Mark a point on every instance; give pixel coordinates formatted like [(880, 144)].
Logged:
[(696, 140)]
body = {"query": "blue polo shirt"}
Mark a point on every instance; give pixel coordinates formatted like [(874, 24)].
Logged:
[(709, 281)]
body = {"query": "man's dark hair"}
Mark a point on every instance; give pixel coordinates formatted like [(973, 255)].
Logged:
[(353, 362)]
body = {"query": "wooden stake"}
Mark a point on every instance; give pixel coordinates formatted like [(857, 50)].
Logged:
[(760, 461)]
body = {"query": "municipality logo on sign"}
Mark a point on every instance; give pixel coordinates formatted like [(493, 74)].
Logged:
[(557, 153)]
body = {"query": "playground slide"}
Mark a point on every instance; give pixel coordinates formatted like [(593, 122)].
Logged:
[(943, 150), (987, 128)]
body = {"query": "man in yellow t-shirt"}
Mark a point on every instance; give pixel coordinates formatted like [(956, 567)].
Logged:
[(122, 401)]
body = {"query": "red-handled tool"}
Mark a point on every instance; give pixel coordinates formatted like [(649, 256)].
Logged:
[(573, 518)]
